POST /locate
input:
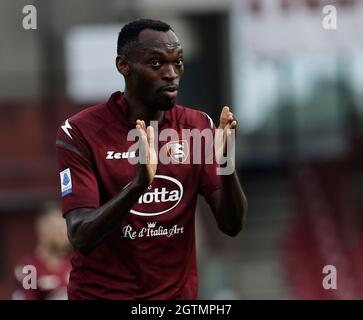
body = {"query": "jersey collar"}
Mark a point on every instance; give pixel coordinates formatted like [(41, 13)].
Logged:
[(118, 106)]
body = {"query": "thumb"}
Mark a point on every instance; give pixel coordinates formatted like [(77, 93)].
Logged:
[(223, 119), (150, 136)]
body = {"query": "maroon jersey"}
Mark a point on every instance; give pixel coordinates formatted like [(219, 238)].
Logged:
[(50, 284), (151, 255)]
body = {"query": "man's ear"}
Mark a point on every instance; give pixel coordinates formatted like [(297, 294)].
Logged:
[(122, 65)]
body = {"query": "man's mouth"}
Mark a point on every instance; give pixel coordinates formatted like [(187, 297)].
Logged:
[(170, 91)]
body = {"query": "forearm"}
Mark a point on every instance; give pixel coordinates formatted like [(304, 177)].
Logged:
[(87, 229), (232, 205)]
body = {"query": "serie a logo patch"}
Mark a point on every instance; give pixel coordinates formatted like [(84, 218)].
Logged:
[(66, 182)]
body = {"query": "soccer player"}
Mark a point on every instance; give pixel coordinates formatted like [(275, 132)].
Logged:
[(133, 225), (50, 259)]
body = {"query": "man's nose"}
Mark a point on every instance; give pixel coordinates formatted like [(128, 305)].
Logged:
[(169, 73)]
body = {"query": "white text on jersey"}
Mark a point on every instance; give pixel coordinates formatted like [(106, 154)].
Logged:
[(120, 155)]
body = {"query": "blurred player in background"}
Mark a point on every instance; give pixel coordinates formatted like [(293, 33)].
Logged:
[(132, 225), (50, 259)]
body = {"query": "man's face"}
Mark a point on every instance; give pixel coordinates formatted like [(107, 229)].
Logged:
[(52, 233), (156, 66)]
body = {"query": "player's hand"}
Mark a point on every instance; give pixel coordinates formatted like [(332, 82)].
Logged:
[(148, 159), (227, 121)]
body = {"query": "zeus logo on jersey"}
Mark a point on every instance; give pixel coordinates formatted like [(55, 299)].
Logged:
[(162, 196), (120, 155), (66, 182)]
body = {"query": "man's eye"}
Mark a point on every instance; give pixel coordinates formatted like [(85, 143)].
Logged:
[(155, 63), (179, 62)]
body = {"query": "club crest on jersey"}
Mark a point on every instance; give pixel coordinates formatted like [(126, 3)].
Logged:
[(66, 182), (178, 151)]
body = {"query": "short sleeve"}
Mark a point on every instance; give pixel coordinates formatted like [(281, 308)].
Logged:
[(78, 182), (209, 180)]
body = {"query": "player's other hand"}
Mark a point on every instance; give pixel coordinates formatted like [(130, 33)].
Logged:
[(148, 159), (227, 121)]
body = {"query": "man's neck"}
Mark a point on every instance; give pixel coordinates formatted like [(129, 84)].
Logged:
[(137, 110)]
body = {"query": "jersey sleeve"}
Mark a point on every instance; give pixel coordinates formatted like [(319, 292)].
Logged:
[(209, 181), (78, 182)]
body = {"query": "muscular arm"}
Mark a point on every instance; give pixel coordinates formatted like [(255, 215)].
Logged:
[(87, 227), (229, 205)]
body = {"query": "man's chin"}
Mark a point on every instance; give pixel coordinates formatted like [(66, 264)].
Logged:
[(164, 103), (166, 107)]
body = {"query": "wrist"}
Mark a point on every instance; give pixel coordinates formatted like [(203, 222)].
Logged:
[(139, 185)]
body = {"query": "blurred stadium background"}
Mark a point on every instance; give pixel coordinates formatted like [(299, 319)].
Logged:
[(295, 87)]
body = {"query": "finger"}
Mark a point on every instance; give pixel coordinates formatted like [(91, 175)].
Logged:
[(139, 126), (141, 132), (231, 118), (144, 140), (233, 124), (225, 110), (139, 122), (143, 146), (150, 135), (223, 119)]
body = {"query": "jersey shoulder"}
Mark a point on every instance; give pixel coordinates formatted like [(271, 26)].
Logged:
[(87, 122), (192, 117)]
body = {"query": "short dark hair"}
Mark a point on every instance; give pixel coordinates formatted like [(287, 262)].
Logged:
[(131, 31)]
